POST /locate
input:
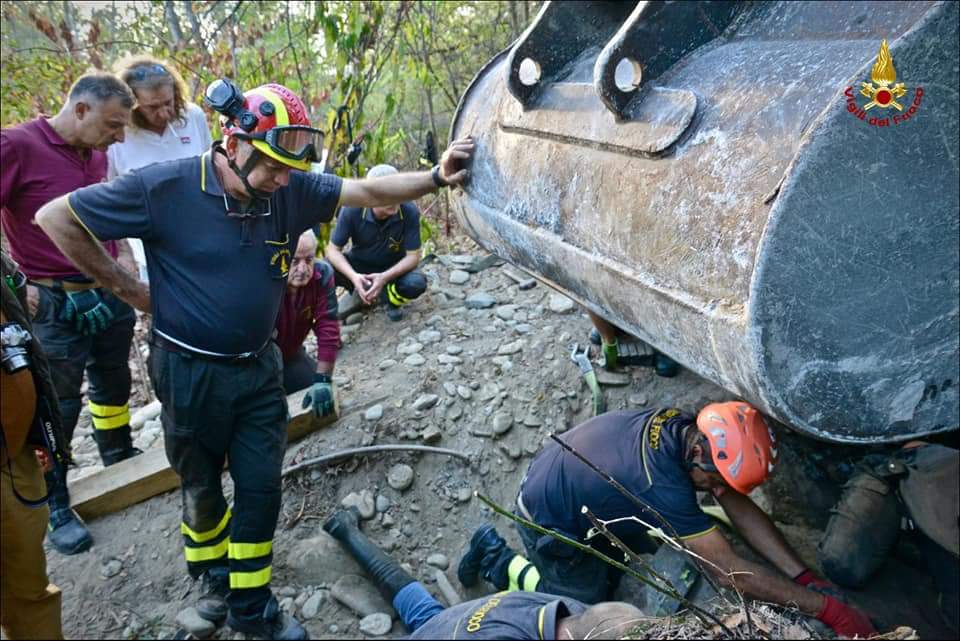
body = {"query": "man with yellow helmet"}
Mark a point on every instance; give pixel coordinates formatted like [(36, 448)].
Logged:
[(219, 232)]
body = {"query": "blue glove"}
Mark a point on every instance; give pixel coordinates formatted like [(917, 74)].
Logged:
[(87, 311), (320, 396)]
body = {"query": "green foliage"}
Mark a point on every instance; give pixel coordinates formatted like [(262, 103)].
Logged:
[(399, 67)]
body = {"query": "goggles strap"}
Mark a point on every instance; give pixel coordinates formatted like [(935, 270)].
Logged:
[(243, 172)]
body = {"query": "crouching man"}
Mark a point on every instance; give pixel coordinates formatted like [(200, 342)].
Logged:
[(663, 457), (309, 302), (384, 252)]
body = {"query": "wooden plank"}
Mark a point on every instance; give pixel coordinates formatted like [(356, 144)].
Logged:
[(142, 477)]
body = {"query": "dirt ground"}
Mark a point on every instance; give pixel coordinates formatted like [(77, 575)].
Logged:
[(503, 381)]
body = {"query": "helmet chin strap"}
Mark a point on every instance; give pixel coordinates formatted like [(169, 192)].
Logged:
[(243, 172)]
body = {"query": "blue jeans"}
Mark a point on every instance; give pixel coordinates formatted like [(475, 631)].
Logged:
[(415, 605)]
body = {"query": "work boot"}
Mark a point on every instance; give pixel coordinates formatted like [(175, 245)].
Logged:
[(67, 533), (387, 574), (486, 544), (610, 356), (273, 624), (214, 587), (394, 313), (115, 445), (666, 366)]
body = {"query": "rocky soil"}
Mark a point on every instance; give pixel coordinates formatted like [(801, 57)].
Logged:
[(480, 364)]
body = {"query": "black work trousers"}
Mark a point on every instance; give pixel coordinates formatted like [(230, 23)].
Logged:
[(397, 292), (104, 356), (217, 411)]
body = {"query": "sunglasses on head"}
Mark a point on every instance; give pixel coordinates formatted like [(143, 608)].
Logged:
[(145, 71)]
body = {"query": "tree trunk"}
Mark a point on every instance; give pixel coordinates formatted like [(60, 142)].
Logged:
[(173, 22)]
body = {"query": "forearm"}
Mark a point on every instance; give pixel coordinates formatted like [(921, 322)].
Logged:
[(87, 254), (387, 190), (339, 262), (757, 582), (325, 367), (759, 531), (407, 263)]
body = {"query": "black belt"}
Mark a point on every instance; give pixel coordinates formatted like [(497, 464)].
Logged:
[(170, 346)]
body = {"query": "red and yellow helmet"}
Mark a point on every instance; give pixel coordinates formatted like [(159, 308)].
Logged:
[(280, 126), (742, 447)]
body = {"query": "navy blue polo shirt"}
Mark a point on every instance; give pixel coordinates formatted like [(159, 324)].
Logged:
[(377, 245), (643, 450), (216, 281), (505, 615)]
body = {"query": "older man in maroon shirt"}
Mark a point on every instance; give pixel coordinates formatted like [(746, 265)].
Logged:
[(81, 326), (310, 302)]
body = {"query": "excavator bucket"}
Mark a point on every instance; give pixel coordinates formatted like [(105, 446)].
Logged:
[(766, 192)]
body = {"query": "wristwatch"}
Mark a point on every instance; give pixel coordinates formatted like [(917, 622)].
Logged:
[(437, 179)]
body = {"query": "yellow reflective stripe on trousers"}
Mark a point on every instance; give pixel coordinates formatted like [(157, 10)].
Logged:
[(256, 579), (108, 417), (530, 580), (201, 537), (209, 553), (250, 550), (394, 296)]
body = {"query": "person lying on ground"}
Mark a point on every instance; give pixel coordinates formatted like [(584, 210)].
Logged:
[(911, 495), (663, 457), (505, 615), (309, 302), (217, 280), (384, 252)]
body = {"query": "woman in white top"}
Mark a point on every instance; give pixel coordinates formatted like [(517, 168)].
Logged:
[(164, 125)]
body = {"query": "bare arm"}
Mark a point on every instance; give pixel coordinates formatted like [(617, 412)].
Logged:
[(125, 256), (404, 265), (340, 263), (755, 581), (390, 190), (83, 250), (760, 532)]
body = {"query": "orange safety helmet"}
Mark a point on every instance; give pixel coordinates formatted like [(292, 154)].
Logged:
[(282, 128), (742, 447)]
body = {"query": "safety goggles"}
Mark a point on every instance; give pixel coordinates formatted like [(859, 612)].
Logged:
[(296, 142)]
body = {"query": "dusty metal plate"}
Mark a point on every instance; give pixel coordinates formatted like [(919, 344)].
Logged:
[(571, 112)]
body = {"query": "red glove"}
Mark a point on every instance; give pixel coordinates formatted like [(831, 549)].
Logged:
[(811, 581), (846, 620)]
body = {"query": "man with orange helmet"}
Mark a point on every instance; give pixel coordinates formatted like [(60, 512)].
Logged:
[(662, 457), (219, 233)]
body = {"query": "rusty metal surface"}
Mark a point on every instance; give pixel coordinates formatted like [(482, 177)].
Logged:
[(731, 231)]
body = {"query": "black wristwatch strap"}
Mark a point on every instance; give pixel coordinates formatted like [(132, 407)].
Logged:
[(437, 180)]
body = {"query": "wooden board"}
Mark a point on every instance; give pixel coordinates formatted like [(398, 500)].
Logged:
[(142, 477)]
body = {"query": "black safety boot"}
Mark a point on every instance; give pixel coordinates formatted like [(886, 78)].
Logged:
[(214, 587), (115, 445), (666, 366), (273, 624), (486, 546), (387, 574), (394, 313), (66, 531)]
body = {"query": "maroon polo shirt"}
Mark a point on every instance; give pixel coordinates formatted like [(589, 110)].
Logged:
[(36, 166), (313, 306)]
